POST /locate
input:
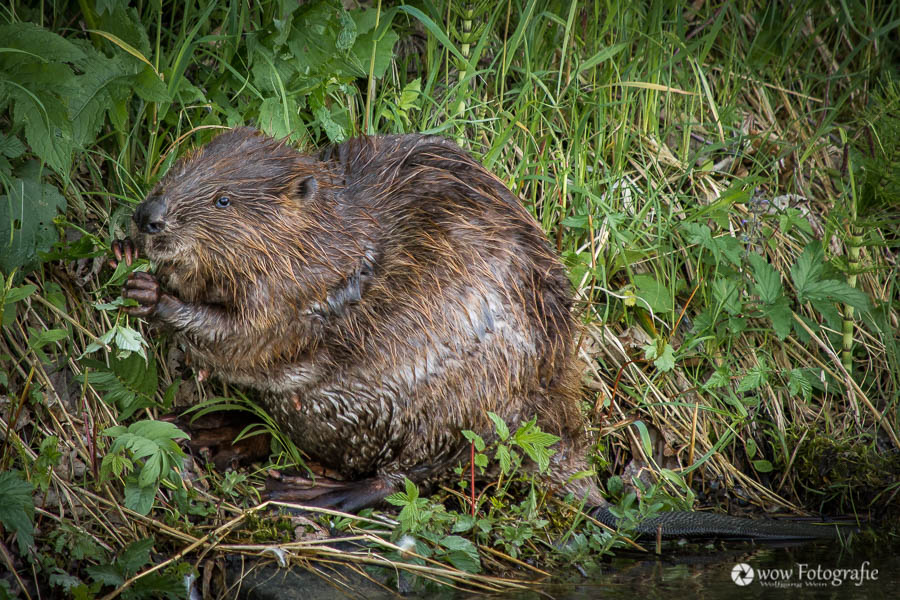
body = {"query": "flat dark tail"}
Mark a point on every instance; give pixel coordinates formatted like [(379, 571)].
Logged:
[(697, 525)]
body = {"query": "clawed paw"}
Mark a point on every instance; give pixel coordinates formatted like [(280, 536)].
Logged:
[(143, 288), (123, 249)]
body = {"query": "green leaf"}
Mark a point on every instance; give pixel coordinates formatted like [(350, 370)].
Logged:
[(131, 340), (719, 378), (272, 112), (666, 360), (17, 508), (347, 35), (332, 129), (768, 281), (837, 291), (48, 336), (727, 295), (135, 556), (754, 378), (48, 128), (10, 146), (781, 316), (462, 553), (654, 293), (410, 94), (645, 437), (149, 86), (361, 53), (763, 466), (499, 425), (799, 384), (106, 574), (750, 446), (26, 219), (808, 268), (481, 461), (474, 438), (36, 43), (503, 456), (128, 383), (138, 498), (19, 293)]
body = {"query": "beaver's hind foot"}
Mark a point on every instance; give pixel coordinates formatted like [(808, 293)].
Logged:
[(325, 492)]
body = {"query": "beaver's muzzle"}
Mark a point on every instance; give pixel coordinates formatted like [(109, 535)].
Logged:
[(150, 215)]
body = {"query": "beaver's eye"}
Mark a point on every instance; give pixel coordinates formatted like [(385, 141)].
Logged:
[(223, 201)]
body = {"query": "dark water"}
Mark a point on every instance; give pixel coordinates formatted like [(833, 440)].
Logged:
[(807, 571), (821, 570)]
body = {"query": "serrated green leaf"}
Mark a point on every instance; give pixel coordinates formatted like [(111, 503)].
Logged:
[(135, 556), (26, 219), (39, 340), (462, 553), (106, 574), (48, 128), (698, 234), (152, 470), (474, 438), (832, 290), (727, 295), (728, 247), (767, 280), (754, 378), (11, 146), (666, 360), (500, 426), (272, 113), (17, 508), (124, 23), (808, 267), (361, 53), (347, 35), (103, 79), (503, 456), (150, 87), (781, 315), (332, 129), (131, 340), (36, 43), (719, 378), (410, 94), (798, 384)]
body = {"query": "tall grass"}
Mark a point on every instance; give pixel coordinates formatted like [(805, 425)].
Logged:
[(720, 179)]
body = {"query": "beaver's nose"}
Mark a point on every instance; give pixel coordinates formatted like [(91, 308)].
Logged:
[(150, 215)]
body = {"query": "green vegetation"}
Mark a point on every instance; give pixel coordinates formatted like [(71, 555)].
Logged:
[(721, 179)]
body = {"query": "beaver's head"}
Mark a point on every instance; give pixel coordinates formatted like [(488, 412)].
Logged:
[(244, 196)]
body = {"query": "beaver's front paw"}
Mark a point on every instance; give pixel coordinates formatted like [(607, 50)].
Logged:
[(123, 249), (144, 289)]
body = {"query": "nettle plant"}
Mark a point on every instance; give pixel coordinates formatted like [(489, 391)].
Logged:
[(742, 292), (496, 518)]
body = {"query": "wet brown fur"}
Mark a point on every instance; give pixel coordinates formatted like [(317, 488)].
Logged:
[(382, 295)]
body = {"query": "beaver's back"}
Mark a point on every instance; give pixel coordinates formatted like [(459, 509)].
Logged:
[(459, 308)]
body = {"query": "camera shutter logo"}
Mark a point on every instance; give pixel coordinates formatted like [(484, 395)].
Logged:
[(742, 574)]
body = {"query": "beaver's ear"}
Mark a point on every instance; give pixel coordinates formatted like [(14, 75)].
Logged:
[(304, 189)]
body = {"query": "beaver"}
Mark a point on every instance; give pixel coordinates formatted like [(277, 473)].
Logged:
[(382, 296)]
